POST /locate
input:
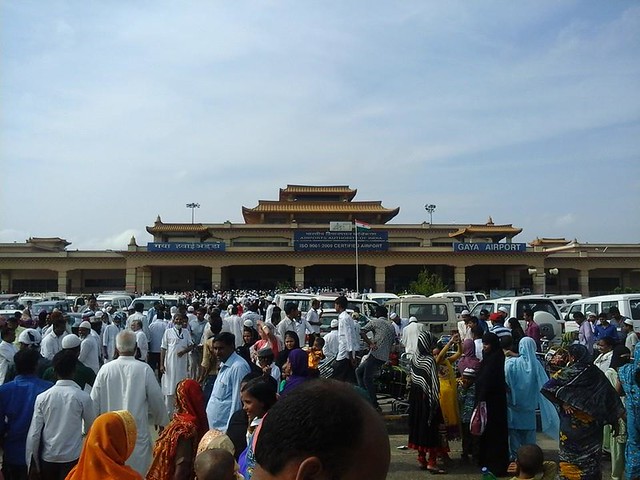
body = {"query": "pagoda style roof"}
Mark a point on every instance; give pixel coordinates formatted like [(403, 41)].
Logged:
[(549, 242), (160, 227), (373, 212), (317, 204), (488, 230), (294, 192), (48, 243)]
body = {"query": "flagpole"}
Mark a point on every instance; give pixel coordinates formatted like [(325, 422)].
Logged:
[(355, 225)]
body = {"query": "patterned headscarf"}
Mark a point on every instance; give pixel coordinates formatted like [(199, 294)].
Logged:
[(424, 373), (189, 423)]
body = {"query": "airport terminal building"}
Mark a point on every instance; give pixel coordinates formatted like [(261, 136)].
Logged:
[(304, 239)]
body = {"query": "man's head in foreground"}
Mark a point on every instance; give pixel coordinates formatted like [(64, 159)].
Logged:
[(322, 430)]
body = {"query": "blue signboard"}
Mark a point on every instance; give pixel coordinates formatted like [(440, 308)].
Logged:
[(340, 241), (490, 247), (186, 247)]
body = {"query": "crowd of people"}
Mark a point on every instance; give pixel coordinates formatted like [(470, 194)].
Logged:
[(230, 384), (203, 374)]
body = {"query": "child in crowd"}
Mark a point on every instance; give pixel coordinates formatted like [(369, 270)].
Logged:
[(266, 362), (466, 400), (216, 464), (315, 356), (530, 464)]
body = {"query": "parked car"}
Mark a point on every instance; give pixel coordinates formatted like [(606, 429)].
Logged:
[(118, 301), (628, 304), (456, 297), (366, 307), (545, 313), (438, 314), (380, 298), (49, 306), (147, 300)]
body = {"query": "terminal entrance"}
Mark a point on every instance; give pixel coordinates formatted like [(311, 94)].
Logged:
[(337, 277)]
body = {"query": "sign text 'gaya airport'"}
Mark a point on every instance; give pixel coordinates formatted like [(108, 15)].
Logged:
[(340, 241), (186, 247), (490, 247)]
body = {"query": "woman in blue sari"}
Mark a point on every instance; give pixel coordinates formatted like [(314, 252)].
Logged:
[(629, 377), (586, 402), (525, 377)]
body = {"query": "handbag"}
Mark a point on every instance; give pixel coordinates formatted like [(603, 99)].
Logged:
[(478, 419)]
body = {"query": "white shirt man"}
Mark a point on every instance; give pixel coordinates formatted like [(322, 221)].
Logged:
[(109, 334), (176, 343), (7, 352), (55, 434), (313, 317), (347, 345), (330, 348), (127, 384), (292, 323), (89, 354), (234, 324), (142, 342), (410, 335), (52, 341), (631, 338), (139, 315), (156, 332)]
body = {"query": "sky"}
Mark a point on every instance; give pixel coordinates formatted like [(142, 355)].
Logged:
[(115, 112)]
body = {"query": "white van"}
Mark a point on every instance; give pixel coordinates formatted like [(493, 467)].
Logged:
[(456, 297), (438, 314), (545, 312), (380, 298), (119, 302), (627, 303)]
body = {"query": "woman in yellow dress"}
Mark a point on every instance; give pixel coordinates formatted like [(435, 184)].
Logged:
[(448, 387)]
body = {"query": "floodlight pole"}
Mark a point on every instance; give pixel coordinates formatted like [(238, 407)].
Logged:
[(193, 207)]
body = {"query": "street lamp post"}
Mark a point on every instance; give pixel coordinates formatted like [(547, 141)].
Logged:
[(193, 207), (534, 273), (430, 207)]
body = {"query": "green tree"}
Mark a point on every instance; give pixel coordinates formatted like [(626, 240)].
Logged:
[(426, 284)]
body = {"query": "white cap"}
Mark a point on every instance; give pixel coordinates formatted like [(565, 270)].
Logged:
[(70, 341), (248, 323), (269, 298), (334, 323), (591, 314), (191, 309), (393, 315), (85, 324), (30, 336), (628, 321), (465, 312), (173, 310), (504, 310), (99, 314), (412, 319)]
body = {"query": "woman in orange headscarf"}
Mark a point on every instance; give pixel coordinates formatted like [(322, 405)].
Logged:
[(175, 450), (109, 444)]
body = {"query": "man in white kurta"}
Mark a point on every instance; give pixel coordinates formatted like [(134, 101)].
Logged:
[(176, 343), (88, 348), (128, 384)]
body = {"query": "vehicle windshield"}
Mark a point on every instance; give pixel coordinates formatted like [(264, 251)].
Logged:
[(148, 303), (536, 306)]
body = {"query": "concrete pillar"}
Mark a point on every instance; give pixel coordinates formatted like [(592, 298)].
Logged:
[(460, 278), (130, 280), (144, 279), (62, 281), (625, 278), (381, 279), (5, 281), (512, 278), (583, 282), (299, 277), (216, 277), (539, 283)]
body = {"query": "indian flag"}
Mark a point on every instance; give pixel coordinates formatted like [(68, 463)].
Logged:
[(362, 226)]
